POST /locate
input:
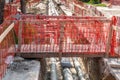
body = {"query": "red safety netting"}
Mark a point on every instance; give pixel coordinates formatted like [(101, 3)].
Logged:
[(7, 48), (115, 2), (31, 3), (4, 25), (10, 9), (116, 37), (83, 35), (81, 9), (59, 34)]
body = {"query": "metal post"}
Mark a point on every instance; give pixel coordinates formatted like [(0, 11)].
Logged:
[(53, 69)]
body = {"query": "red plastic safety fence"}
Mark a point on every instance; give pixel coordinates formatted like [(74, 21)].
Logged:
[(31, 3), (40, 17), (4, 25), (115, 2), (72, 4), (74, 35), (7, 49), (10, 9), (78, 10), (82, 9), (116, 37), (65, 2), (79, 2)]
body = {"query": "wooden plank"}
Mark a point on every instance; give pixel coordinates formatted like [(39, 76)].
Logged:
[(4, 34), (115, 65), (80, 6), (56, 54)]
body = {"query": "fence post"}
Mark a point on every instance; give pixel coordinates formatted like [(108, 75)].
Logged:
[(61, 40), (110, 47), (109, 41), (113, 40), (20, 35)]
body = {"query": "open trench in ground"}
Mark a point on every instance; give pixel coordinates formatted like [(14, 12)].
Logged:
[(66, 68)]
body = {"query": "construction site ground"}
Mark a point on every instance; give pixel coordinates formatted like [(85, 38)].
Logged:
[(22, 69), (110, 11)]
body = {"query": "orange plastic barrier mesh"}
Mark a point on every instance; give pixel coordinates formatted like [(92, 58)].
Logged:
[(83, 35), (7, 49), (116, 37), (10, 9), (59, 34), (85, 10)]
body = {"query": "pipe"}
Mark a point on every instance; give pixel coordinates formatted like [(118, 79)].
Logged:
[(2, 5), (23, 6), (78, 69), (53, 69), (51, 9), (67, 74)]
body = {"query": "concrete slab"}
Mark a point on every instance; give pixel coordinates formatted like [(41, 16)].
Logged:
[(22, 69), (113, 65)]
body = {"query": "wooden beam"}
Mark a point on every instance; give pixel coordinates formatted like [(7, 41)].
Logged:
[(4, 34), (109, 41), (42, 54), (79, 6), (115, 65)]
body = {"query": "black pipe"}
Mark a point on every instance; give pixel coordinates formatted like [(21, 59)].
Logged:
[(11, 0), (2, 4), (23, 6)]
